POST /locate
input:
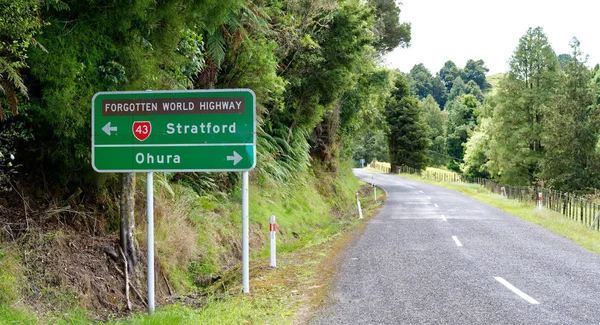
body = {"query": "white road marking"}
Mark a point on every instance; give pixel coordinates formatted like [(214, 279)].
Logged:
[(457, 241), (410, 186), (517, 291), (444, 218), (435, 205), (421, 192), (429, 197)]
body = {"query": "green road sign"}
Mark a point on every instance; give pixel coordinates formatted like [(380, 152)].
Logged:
[(156, 131)]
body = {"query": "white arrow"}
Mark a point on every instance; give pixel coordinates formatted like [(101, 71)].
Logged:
[(236, 158), (108, 129)]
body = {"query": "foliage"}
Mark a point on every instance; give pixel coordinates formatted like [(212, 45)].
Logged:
[(563, 60), (389, 32), (372, 147), (523, 100), (407, 135), (571, 130), (448, 73), (12, 135), (476, 71), (596, 82), (423, 84), (19, 24), (435, 119), (476, 152), (462, 119)]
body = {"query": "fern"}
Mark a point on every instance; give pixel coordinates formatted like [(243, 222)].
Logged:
[(215, 47)]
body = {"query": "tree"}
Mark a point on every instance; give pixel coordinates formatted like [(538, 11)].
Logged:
[(407, 133), (434, 118), (458, 127), (421, 81), (423, 84), (571, 129), (476, 70), (438, 91), (476, 152), (471, 88), (389, 32), (563, 60), (372, 147), (596, 82), (524, 96), (459, 88), (448, 73)]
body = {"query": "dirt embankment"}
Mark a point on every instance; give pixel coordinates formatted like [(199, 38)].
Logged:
[(67, 262)]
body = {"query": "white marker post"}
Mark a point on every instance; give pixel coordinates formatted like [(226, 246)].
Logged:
[(360, 216), (374, 193), (273, 231), (540, 201), (245, 236), (150, 238), (502, 192)]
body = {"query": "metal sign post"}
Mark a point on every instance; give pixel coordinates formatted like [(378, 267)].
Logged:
[(150, 238), (245, 235)]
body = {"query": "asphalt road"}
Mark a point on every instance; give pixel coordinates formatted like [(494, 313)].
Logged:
[(435, 256)]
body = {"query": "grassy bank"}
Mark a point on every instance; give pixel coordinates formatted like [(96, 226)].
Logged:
[(197, 240)]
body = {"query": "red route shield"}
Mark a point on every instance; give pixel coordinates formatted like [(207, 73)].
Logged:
[(142, 130)]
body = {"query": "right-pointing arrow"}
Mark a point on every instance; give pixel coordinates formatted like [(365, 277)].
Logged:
[(236, 158)]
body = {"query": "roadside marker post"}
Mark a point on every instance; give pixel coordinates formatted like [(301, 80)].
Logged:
[(176, 131), (360, 216), (502, 192), (374, 193), (273, 248), (540, 201)]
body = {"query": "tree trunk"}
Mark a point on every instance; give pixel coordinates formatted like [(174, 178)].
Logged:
[(127, 207)]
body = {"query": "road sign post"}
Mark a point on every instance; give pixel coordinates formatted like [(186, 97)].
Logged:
[(176, 131)]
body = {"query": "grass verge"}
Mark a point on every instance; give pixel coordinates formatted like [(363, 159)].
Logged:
[(288, 294)]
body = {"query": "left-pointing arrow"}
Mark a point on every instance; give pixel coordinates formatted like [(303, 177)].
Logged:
[(108, 129)]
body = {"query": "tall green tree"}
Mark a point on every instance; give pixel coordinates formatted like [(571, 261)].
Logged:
[(448, 73), (459, 88), (461, 121), (476, 71), (571, 129), (434, 117), (389, 31), (522, 101), (476, 152), (472, 88), (407, 132), (423, 84)]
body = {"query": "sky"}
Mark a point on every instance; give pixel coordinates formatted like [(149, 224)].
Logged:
[(460, 30)]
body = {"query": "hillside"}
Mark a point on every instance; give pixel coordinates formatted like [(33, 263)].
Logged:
[(494, 80)]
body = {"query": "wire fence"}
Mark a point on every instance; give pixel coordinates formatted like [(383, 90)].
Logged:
[(578, 208)]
